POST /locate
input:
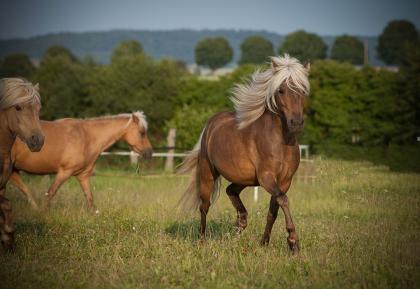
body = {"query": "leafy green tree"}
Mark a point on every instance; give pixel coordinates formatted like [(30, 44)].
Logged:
[(304, 46), (255, 50), (58, 51), (392, 40), (127, 48), (408, 91), (347, 49), (345, 101), (17, 65), (189, 122), (63, 86), (135, 83), (213, 52)]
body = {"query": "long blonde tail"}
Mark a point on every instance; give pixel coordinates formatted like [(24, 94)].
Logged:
[(190, 200)]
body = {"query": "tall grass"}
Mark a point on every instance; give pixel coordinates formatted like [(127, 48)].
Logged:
[(358, 224)]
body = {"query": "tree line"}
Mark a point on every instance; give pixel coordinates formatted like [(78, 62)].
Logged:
[(216, 52), (347, 105)]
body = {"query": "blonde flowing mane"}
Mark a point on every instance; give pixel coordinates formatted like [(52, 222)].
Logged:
[(11, 92), (253, 98), (139, 114)]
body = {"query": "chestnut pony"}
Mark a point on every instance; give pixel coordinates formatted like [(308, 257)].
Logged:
[(72, 147), (255, 145), (19, 116)]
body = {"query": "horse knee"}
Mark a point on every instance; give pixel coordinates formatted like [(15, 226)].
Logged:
[(282, 200), (204, 207)]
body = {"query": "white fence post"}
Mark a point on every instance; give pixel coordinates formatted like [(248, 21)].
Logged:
[(256, 193), (169, 163), (134, 158)]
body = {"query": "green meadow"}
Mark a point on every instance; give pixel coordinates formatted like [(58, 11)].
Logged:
[(359, 226)]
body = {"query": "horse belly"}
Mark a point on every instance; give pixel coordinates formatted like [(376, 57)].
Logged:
[(245, 177), (37, 165), (236, 168)]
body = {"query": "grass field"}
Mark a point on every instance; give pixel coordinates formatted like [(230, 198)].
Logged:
[(359, 227)]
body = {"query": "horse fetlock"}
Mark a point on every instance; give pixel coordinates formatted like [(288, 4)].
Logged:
[(241, 224), (293, 243)]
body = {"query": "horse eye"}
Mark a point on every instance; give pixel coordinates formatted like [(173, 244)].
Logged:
[(18, 107), (280, 91)]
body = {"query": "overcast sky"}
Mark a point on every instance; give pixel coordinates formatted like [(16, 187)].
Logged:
[(24, 18)]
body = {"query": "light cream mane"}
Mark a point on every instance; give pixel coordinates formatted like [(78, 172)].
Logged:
[(138, 114), (11, 92), (253, 98)]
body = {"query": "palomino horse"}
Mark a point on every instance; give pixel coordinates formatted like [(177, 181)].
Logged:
[(19, 116), (255, 145), (72, 147)]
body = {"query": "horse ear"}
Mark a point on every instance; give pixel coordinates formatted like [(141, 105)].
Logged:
[(274, 64), (37, 87), (307, 65), (135, 118)]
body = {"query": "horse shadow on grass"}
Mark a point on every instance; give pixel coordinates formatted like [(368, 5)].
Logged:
[(38, 229), (189, 230)]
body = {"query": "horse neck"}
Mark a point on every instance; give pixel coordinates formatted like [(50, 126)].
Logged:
[(7, 140), (278, 125), (107, 131)]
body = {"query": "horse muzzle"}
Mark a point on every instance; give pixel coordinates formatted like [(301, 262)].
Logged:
[(35, 142), (295, 125), (146, 154)]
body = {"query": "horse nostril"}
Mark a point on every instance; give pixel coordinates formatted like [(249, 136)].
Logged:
[(297, 121)]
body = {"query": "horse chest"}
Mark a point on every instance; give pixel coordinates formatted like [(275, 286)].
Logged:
[(287, 162)]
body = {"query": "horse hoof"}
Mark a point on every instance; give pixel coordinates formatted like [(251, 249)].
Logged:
[(201, 241), (264, 241), (293, 245)]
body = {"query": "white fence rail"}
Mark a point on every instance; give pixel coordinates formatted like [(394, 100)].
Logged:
[(170, 155), (304, 153)]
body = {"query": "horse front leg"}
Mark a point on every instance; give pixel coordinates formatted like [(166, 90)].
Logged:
[(271, 218), (60, 178), (292, 239), (278, 193), (6, 225)]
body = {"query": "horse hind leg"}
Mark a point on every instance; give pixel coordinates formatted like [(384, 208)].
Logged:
[(206, 185), (206, 190), (233, 191), (84, 181)]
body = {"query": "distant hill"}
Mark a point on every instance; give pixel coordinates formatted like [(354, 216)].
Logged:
[(177, 44)]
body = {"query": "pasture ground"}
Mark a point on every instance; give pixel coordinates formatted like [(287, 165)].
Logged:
[(358, 224)]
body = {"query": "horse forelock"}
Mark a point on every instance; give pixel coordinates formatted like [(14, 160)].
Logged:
[(253, 98), (11, 92), (142, 119)]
